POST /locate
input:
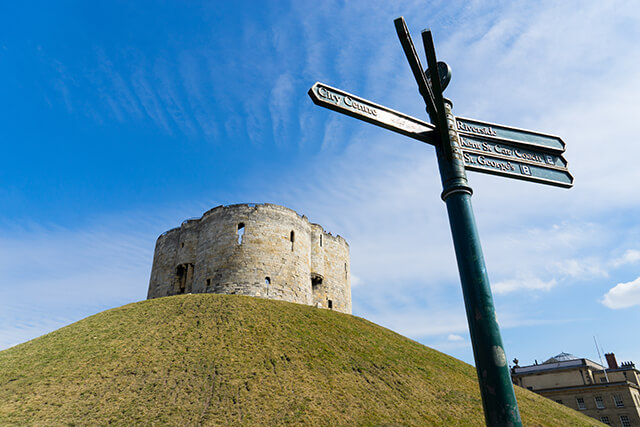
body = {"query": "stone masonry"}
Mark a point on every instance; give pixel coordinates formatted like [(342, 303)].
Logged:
[(261, 250)]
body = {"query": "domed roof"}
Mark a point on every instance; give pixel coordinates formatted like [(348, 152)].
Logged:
[(562, 357)]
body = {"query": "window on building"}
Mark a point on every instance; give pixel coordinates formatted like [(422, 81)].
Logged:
[(184, 277), (605, 420), (330, 304), (581, 404), (267, 280), (624, 420), (292, 237), (618, 401), (321, 240), (599, 402), (316, 281), (240, 232)]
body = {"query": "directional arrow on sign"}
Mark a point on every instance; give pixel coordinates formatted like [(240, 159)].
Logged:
[(506, 133), (360, 108), (512, 152), (496, 165), (497, 157), (509, 151)]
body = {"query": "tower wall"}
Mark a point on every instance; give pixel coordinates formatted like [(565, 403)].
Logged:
[(265, 251)]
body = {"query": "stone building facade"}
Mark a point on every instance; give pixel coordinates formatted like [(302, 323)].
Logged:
[(610, 395), (260, 250)]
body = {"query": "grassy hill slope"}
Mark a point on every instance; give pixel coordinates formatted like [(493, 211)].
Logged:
[(230, 360)]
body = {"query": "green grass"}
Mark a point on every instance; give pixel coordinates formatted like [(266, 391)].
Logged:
[(230, 360)]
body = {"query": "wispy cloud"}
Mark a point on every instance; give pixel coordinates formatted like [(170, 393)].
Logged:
[(54, 275), (561, 68), (197, 84), (169, 90), (61, 85), (450, 343), (420, 323), (524, 283), (280, 106), (114, 89), (631, 256), (149, 99)]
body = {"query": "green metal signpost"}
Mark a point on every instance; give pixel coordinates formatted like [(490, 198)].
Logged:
[(464, 144)]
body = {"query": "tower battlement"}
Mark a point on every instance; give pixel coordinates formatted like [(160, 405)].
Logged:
[(261, 250)]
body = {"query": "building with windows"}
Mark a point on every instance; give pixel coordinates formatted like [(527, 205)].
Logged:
[(610, 395)]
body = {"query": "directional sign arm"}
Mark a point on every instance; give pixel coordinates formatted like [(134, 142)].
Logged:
[(416, 67), (524, 137), (501, 166), (379, 115)]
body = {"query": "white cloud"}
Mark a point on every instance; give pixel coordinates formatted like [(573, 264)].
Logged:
[(454, 337), (523, 283), (623, 295)]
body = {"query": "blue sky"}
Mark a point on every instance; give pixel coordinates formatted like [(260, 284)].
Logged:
[(121, 119)]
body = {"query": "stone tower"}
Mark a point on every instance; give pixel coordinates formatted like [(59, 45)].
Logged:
[(261, 250)]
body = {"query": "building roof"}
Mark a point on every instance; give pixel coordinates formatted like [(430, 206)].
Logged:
[(562, 357), (559, 361)]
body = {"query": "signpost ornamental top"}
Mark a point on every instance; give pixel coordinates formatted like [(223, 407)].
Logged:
[(463, 144)]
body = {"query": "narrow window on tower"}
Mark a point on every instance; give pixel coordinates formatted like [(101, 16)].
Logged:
[(240, 232), (267, 280), (184, 277), (321, 240), (292, 238)]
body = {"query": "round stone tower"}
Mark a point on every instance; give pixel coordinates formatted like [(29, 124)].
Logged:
[(262, 250)]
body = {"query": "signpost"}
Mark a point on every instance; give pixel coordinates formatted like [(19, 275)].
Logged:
[(465, 144)]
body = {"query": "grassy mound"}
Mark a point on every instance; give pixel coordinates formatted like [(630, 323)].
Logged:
[(230, 360)]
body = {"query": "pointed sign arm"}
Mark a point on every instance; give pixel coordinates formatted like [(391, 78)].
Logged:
[(416, 68), (432, 63), (379, 115)]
